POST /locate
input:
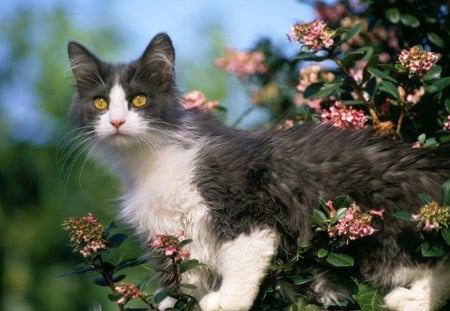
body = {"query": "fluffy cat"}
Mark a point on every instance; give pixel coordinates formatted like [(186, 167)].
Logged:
[(230, 189)]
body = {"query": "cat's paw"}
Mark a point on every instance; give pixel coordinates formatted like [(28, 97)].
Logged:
[(216, 301), (167, 303), (403, 299)]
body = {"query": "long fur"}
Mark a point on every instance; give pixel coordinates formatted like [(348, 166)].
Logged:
[(242, 195)]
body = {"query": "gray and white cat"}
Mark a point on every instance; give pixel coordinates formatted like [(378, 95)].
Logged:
[(230, 189)]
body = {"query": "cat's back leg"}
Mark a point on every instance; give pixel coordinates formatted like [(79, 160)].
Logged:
[(428, 289)]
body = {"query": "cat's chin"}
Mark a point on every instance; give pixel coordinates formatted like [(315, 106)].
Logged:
[(120, 141)]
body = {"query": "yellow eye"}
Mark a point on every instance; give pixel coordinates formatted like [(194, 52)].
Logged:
[(100, 103), (139, 100)]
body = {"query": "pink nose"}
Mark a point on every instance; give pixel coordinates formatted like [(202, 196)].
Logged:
[(117, 123)]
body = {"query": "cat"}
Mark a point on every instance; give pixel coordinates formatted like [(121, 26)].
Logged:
[(231, 189)]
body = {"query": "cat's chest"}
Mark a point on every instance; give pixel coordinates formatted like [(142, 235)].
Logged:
[(163, 197)]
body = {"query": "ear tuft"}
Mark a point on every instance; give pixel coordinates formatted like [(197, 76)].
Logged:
[(85, 65)]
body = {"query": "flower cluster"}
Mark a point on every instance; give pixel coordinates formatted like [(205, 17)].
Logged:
[(86, 233), (418, 61), (170, 246), (340, 116), (128, 291), (309, 75), (314, 35), (412, 98), (197, 100), (433, 217), (447, 124), (354, 224), (242, 63)]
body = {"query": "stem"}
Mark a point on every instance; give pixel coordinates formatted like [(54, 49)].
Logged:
[(177, 276), (109, 280), (400, 121), (358, 88), (242, 116)]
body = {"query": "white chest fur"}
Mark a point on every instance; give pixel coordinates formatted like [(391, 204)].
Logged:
[(163, 199)]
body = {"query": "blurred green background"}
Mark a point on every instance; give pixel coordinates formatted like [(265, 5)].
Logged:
[(43, 178)]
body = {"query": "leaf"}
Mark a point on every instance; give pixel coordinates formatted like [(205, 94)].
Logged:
[(389, 88), (410, 20), (340, 213), (131, 262), (190, 286), (433, 73), (446, 235), (392, 15), (340, 260), (319, 217), (438, 85), (82, 269), (352, 32), (368, 298), (380, 74), (341, 201), (404, 215), (432, 249), (445, 200), (188, 265), (116, 239), (185, 242), (322, 252), (301, 279), (320, 89), (447, 105), (424, 198), (435, 39)]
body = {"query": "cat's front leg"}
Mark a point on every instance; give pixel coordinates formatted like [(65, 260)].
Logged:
[(243, 264)]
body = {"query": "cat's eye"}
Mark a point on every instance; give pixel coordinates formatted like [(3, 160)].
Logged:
[(100, 103), (139, 100)]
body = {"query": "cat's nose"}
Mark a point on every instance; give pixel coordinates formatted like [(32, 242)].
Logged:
[(117, 123)]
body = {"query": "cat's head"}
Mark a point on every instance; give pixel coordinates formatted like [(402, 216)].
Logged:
[(125, 105)]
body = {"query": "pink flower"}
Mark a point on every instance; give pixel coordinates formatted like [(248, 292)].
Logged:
[(129, 291), (340, 116), (447, 124), (432, 216), (378, 213), (418, 61), (315, 35), (197, 100), (170, 246), (308, 76), (242, 63)]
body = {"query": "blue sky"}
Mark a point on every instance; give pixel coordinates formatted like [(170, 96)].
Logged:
[(242, 23)]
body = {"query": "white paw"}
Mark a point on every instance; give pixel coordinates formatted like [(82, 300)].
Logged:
[(403, 299), (216, 301), (167, 303)]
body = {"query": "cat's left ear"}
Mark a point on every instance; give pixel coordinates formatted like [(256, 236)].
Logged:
[(159, 60), (85, 65)]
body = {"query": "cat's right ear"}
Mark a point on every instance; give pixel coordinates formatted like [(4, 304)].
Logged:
[(85, 65)]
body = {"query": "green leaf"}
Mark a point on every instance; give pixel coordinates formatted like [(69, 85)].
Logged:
[(185, 242), (341, 201), (82, 269), (389, 88), (424, 198), (321, 89), (446, 235), (340, 213), (438, 85), (352, 32), (404, 215), (340, 260), (392, 15), (380, 74), (188, 265), (447, 105), (131, 262), (116, 239), (410, 20), (319, 216), (435, 39), (368, 298), (445, 200), (322, 252), (433, 73), (301, 279), (432, 249)]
